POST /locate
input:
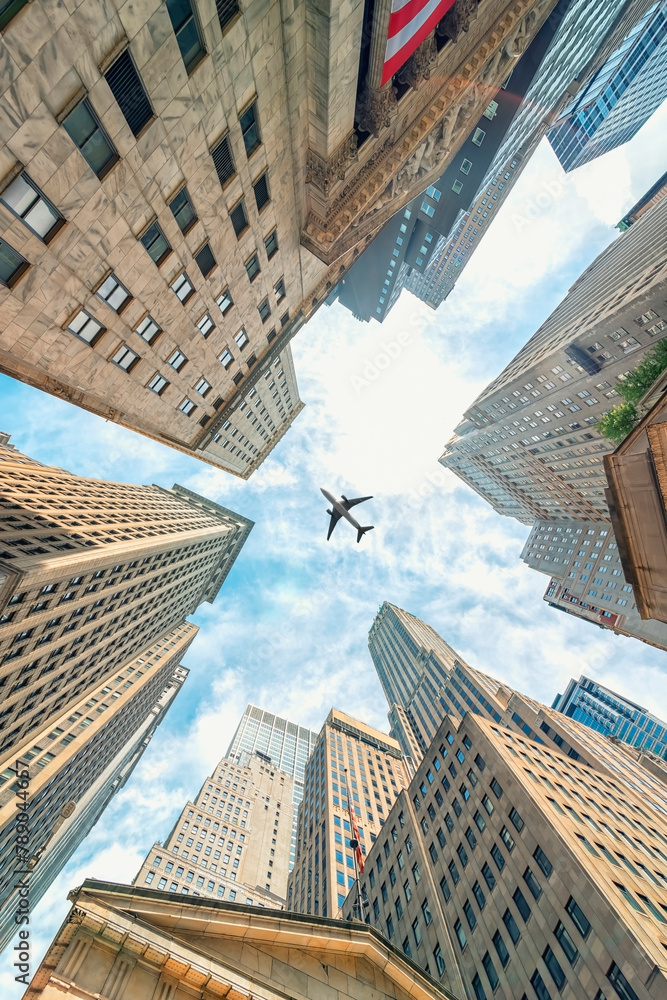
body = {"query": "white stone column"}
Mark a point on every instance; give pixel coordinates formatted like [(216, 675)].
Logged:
[(377, 104)]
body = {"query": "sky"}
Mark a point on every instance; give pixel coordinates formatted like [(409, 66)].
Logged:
[(289, 628)]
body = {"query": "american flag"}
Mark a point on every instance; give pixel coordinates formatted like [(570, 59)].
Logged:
[(355, 836), (409, 24)]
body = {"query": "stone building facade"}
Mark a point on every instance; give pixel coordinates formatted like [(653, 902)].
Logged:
[(285, 744), (69, 775), (93, 573), (520, 867), (180, 189), (232, 841), (587, 577), (354, 764), (528, 444), (124, 943)]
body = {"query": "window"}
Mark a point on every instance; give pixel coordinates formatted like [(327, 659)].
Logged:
[(620, 983), (427, 913), (454, 872), (26, 201), (507, 839), (511, 925), (489, 877), (84, 326), (125, 358), (444, 887), (86, 132), (501, 948), (183, 210), (279, 289), (271, 244), (470, 915), (466, 166), (177, 360), (241, 338), (532, 883), (490, 970), (250, 129), (566, 943), (496, 788), (460, 934), (554, 967), (261, 189), (223, 161), (543, 861), (252, 267), (490, 112), (227, 11), (264, 310), (578, 917), (205, 259), (12, 264), (203, 387), (182, 287), (205, 325), (457, 187), (157, 384), (516, 820), (187, 34), (497, 856), (127, 88), (148, 329), (239, 219), (478, 893), (155, 243), (539, 987), (225, 301), (114, 293), (478, 136), (478, 988), (521, 904), (439, 960), (226, 358)]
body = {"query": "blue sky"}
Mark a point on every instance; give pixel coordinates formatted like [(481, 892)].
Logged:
[(289, 628)]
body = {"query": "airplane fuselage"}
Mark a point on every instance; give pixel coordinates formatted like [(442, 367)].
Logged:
[(338, 507)]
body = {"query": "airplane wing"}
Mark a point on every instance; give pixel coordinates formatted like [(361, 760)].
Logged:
[(335, 518), (350, 503)]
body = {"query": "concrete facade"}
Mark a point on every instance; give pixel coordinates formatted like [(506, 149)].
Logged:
[(69, 775), (353, 767), (528, 444), (513, 867), (285, 744), (232, 841), (126, 944), (178, 203)]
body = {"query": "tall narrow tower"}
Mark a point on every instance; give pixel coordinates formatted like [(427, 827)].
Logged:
[(96, 579)]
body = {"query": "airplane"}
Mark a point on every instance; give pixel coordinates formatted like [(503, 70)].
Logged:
[(342, 509)]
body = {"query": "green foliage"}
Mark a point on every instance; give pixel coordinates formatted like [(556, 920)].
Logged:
[(617, 424), (642, 378)]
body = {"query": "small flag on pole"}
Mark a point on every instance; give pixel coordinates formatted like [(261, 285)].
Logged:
[(355, 835)]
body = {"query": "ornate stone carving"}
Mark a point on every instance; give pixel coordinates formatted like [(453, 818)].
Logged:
[(421, 62), (324, 173), (458, 18), (376, 108)]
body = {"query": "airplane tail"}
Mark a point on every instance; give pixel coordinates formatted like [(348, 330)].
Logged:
[(362, 531)]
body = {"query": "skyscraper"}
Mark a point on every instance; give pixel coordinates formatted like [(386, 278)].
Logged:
[(413, 663), (528, 444), (352, 766), (620, 97), (587, 578), (181, 205), (527, 855), (74, 770), (232, 841), (286, 744), (596, 706), (97, 579), (513, 864)]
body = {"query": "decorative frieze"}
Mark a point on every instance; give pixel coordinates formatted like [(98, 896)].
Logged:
[(324, 173)]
